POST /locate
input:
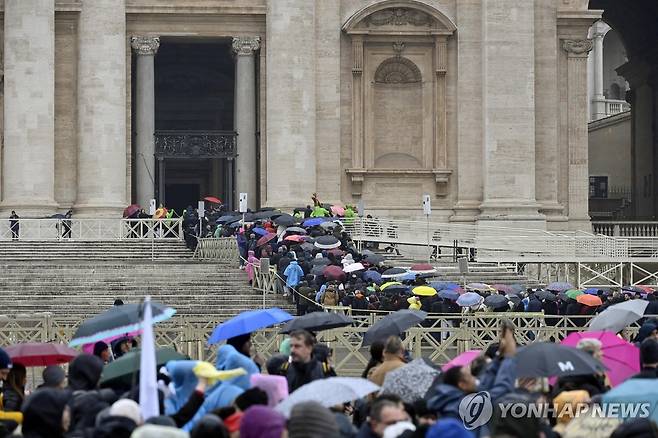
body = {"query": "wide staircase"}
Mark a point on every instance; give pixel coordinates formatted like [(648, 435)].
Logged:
[(83, 278)]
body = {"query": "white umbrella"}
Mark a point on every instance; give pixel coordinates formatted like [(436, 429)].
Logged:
[(329, 392), (619, 316), (354, 267)]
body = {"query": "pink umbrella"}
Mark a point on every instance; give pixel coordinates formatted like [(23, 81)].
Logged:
[(620, 357), (89, 348), (462, 360)]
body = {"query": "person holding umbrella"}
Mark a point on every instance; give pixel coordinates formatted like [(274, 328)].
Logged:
[(14, 225)]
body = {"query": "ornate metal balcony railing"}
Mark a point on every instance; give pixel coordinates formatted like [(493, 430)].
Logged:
[(195, 144)]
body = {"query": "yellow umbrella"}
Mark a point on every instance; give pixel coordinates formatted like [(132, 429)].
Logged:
[(387, 284), (424, 291)]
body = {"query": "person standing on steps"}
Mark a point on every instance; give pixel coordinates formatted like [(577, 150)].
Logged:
[(14, 226), (66, 224)]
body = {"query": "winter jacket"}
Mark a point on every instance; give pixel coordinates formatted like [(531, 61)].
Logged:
[(391, 363), (445, 401), (11, 399), (299, 374)]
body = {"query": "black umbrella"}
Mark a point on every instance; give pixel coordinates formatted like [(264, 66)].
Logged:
[(249, 217), (320, 261), (545, 295), (116, 321), (317, 321), (318, 270), (295, 230), (308, 247), (374, 259), (285, 219), (327, 242), (393, 324), (394, 273), (265, 214), (547, 359), (396, 289), (495, 301), (227, 219)]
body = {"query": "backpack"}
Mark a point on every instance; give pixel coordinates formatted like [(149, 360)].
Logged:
[(330, 298)]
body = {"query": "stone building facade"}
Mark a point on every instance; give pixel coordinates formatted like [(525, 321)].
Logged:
[(480, 103)]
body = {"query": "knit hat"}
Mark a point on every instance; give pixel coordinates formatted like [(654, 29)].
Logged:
[(53, 376), (127, 408), (5, 360), (310, 420), (448, 428), (649, 351), (262, 422)]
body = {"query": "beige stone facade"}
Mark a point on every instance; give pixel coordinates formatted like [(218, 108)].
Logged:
[(480, 103)]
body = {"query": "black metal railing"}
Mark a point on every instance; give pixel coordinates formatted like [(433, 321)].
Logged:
[(195, 144)]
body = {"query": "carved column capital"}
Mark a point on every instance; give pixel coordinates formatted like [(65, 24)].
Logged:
[(145, 45), (245, 45), (577, 48)]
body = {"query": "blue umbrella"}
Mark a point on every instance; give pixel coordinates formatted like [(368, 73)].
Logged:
[(439, 285), (449, 294), (372, 276), (470, 299), (247, 322), (635, 391), (314, 221), (260, 231), (591, 291), (409, 276)]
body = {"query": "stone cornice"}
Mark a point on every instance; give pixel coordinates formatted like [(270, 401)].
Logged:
[(577, 47), (245, 45), (145, 45)]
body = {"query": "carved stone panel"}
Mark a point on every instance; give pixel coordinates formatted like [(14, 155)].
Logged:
[(397, 70), (399, 17)]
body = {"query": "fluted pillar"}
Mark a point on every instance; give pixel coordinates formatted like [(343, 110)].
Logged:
[(577, 50), (246, 170), (102, 108), (145, 48), (28, 174)]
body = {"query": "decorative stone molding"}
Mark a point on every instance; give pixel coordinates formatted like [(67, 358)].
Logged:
[(145, 45), (399, 17), (397, 70), (245, 45), (577, 47), (441, 177), (398, 47)]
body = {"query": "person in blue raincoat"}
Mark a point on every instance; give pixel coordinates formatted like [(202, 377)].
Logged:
[(293, 274), (223, 393), (183, 381)]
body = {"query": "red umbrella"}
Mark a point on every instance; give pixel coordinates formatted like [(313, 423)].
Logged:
[(266, 239), (333, 273), (37, 354), (336, 252), (130, 210), (422, 268), (212, 199), (294, 238)]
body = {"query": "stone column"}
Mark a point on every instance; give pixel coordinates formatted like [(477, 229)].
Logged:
[(599, 30), (28, 175), (291, 102), (145, 48), (577, 142), (509, 115), (245, 117), (102, 108)]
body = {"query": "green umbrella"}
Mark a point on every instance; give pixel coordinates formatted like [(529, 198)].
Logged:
[(122, 369), (573, 293)]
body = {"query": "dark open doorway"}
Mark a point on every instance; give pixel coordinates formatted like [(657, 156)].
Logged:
[(194, 98)]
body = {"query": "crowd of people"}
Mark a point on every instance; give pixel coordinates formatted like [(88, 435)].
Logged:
[(242, 396)]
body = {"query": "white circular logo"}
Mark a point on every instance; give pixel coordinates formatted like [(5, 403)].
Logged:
[(476, 409)]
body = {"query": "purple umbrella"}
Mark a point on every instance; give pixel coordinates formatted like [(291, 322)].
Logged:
[(470, 299), (372, 276), (559, 286)]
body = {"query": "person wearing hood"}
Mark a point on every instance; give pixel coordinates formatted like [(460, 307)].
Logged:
[(44, 414), (293, 275), (224, 393), (86, 399), (183, 382), (252, 262)]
